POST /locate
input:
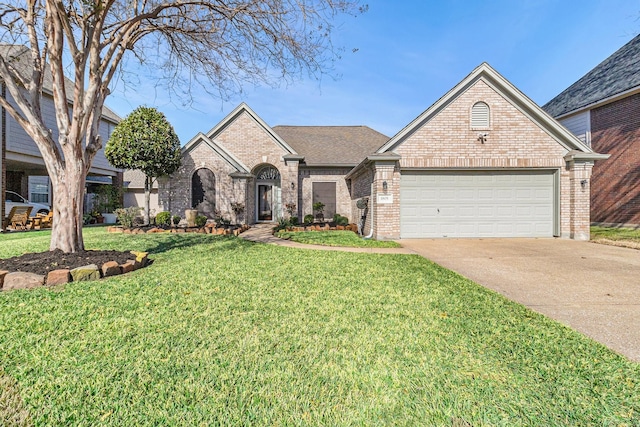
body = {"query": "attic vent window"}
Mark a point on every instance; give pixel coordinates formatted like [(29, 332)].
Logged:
[(480, 116)]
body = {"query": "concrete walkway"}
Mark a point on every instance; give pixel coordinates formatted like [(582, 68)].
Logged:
[(594, 289), (261, 233)]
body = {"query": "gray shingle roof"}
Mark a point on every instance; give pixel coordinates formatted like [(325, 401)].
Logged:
[(332, 145), (617, 74), (18, 56)]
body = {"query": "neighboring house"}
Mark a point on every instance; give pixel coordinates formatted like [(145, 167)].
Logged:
[(134, 191), (483, 161), (24, 171), (603, 110)]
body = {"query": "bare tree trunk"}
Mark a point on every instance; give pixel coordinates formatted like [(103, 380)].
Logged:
[(148, 182), (68, 203)]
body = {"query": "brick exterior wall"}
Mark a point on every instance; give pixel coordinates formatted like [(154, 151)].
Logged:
[(174, 194), (254, 147), (615, 193), (308, 176), (513, 141), (361, 188)]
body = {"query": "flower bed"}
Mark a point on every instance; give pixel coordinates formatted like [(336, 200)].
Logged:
[(207, 229)]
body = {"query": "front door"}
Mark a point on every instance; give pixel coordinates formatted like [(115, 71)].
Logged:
[(265, 202)]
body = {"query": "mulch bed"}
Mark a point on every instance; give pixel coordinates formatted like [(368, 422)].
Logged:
[(44, 262)]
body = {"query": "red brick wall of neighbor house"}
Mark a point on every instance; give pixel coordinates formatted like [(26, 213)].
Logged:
[(615, 183)]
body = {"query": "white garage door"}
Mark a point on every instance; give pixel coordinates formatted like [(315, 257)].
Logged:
[(477, 204)]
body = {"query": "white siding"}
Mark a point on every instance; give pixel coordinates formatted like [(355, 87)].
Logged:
[(580, 125), (19, 142)]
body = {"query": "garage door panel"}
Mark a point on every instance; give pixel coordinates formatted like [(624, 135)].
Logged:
[(477, 204)]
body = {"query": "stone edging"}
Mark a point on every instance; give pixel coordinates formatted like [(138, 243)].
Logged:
[(207, 229), (22, 280), (326, 227)]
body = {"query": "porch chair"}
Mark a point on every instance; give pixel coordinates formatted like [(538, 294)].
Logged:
[(42, 221), (18, 218)]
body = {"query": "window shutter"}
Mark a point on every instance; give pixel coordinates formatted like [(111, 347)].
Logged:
[(480, 116)]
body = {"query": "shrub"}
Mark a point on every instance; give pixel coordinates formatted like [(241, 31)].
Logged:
[(163, 218), (308, 219), (318, 207), (176, 219), (293, 220), (340, 220), (127, 216), (282, 225), (201, 220)]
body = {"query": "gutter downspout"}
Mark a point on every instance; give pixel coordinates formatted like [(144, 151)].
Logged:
[(372, 216)]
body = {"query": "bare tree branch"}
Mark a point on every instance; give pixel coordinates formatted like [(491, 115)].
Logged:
[(217, 44)]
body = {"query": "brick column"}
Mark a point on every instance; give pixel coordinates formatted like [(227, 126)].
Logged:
[(291, 183), (386, 201), (580, 199)]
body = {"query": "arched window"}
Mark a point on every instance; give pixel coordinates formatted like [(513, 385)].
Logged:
[(268, 173), (480, 116), (203, 192)]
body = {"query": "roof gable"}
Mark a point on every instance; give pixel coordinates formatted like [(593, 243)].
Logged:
[(509, 92), (244, 108), (616, 75), (201, 138)]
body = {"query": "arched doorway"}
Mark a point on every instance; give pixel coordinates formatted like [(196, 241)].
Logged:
[(203, 192), (268, 194)]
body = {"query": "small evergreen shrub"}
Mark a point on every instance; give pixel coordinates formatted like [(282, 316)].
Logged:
[(293, 220), (201, 220), (176, 219), (163, 218), (308, 219), (340, 220)]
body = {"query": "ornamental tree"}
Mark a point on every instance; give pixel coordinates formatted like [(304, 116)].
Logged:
[(216, 44), (145, 141)]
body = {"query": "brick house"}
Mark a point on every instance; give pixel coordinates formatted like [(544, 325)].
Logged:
[(483, 161), (603, 110), (243, 160)]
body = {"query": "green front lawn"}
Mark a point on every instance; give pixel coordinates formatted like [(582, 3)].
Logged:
[(220, 331), (335, 238), (615, 233)]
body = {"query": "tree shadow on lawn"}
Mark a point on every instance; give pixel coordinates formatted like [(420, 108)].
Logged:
[(178, 242)]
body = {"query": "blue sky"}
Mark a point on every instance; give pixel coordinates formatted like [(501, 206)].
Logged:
[(410, 53)]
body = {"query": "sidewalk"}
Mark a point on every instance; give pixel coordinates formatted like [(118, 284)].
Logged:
[(261, 233)]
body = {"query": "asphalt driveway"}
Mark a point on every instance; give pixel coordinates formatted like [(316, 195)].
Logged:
[(592, 288)]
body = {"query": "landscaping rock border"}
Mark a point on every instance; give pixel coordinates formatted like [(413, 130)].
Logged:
[(324, 227), (21, 280), (207, 229)]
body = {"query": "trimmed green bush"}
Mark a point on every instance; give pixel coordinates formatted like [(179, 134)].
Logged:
[(340, 220), (308, 219), (176, 219), (201, 220), (163, 218)]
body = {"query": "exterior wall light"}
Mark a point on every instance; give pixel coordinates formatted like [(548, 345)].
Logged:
[(584, 183), (293, 185), (385, 186)]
